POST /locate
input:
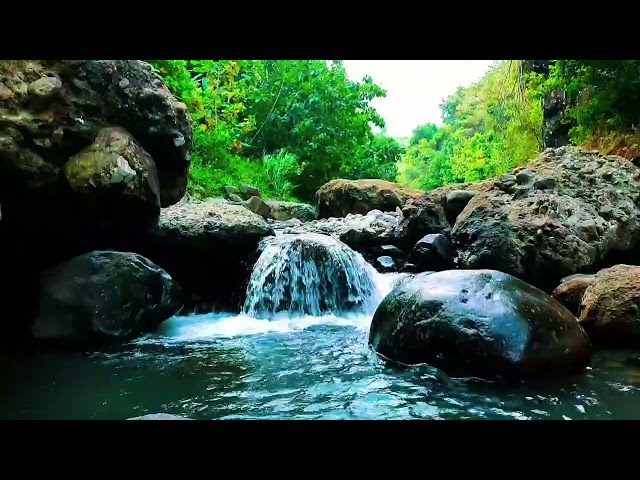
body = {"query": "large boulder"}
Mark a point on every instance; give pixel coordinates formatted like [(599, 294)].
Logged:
[(116, 176), (209, 248), (104, 296), (52, 109), (340, 197), (610, 307), (89, 151), (480, 323), (571, 210)]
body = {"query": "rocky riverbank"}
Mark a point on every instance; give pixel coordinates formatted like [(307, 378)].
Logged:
[(99, 243)]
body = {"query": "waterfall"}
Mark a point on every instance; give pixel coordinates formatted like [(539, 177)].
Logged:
[(310, 274)]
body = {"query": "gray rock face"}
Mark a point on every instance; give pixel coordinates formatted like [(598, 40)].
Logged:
[(480, 323), (159, 416), (209, 248), (568, 211), (104, 296)]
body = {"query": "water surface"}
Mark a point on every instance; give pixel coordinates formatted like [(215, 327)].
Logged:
[(235, 367)]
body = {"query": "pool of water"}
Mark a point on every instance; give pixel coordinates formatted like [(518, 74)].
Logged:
[(234, 367)]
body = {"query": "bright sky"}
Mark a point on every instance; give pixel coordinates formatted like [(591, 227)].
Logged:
[(415, 88)]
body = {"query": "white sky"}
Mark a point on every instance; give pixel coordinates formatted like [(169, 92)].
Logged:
[(415, 88)]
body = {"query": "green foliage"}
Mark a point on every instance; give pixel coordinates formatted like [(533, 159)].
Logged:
[(287, 126), (377, 159), (488, 128), (605, 94)]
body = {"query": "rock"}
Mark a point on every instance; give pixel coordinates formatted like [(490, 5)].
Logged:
[(57, 107), (456, 200), (258, 206), (392, 251), (571, 289), (363, 233), (160, 416), (234, 198), (114, 175), (541, 236), (340, 197), (422, 216), (556, 121), (480, 323), (610, 307), (209, 248), (103, 297), (385, 264), (288, 210), (231, 190), (247, 191), (433, 252)]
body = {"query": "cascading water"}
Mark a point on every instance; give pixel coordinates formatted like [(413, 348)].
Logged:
[(310, 274)]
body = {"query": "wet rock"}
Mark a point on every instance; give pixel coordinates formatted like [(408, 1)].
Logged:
[(385, 264), (340, 197), (422, 216), (258, 206), (104, 297), (610, 307), (479, 323), (159, 416), (288, 210), (432, 252), (571, 289), (117, 180), (456, 200), (541, 236), (248, 191), (209, 248), (392, 251), (364, 233)]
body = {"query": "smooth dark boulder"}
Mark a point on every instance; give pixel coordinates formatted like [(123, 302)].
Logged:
[(104, 297), (433, 252), (481, 323)]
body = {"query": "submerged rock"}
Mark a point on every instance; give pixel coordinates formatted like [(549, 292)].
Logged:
[(610, 307), (480, 323), (309, 274), (209, 248), (102, 297), (340, 197), (570, 210)]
